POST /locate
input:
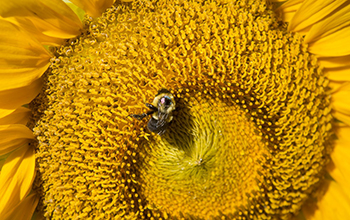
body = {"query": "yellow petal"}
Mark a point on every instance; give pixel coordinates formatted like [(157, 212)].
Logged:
[(342, 117), (343, 133), (337, 21), (78, 11), (332, 45), (340, 100), (14, 98), (6, 112), (51, 17), (331, 36), (33, 31), (287, 16), (340, 177), (337, 85), (19, 116), (334, 62), (338, 74), (2, 161), (16, 178), (24, 210), (311, 12), (334, 204), (288, 9), (339, 168), (93, 7), (22, 59), (12, 136)]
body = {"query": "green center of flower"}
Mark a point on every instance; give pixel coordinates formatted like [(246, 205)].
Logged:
[(212, 154), (251, 130)]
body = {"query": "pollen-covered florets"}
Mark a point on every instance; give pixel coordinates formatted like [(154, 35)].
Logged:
[(250, 134)]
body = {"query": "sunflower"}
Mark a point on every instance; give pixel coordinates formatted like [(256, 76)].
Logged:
[(260, 129)]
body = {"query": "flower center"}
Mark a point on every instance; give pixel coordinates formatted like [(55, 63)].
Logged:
[(249, 138), (211, 154)]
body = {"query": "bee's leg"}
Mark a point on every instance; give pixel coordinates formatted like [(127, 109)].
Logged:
[(153, 108), (138, 117), (141, 116)]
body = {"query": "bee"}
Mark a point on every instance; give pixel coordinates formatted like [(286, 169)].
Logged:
[(161, 110)]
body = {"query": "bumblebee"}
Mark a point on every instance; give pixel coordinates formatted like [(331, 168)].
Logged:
[(161, 110)]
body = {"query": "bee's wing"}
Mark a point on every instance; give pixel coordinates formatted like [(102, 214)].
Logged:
[(162, 119), (158, 126)]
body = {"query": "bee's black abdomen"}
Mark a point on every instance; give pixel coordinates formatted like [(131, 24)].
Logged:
[(154, 126)]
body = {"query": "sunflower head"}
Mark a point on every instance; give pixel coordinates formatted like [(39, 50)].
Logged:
[(249, 138)]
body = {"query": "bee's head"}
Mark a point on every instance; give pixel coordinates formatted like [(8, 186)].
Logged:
[(166, 104), (164, 101)]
